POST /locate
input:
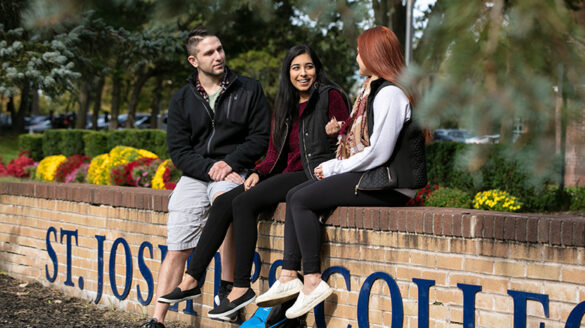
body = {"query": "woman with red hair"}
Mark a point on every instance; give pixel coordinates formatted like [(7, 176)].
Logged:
[(366, 144)]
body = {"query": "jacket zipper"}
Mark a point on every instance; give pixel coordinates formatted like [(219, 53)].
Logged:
[(357, 186), (208, 111), (302, 139), (227, 115)]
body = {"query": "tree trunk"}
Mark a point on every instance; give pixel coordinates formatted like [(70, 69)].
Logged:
[(116, 97), (23, 109), (35, 109), (97, 104), (10, 107), (392, 14), (81, 119), (156, 100), (143, 76)]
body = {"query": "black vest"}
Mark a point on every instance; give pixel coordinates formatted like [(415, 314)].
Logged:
[(315, 145), (406, 167)]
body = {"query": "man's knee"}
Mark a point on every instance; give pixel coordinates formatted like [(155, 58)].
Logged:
[(177, 255), (217, 194)]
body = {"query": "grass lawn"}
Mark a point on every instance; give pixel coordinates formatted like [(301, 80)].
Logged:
[(8, 147)]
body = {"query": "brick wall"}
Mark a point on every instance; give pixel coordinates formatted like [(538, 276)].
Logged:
[(537, 254)]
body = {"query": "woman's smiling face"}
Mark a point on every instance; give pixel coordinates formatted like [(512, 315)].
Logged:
[(302, 73)]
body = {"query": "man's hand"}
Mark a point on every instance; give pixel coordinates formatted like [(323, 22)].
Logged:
[(251, 181), (333, 127), (219, 171), (234, 177), (319, 172)]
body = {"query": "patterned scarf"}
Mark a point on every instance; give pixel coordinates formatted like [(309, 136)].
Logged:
[(353, 136)]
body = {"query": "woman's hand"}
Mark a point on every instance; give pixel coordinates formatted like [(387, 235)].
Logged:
[(333, 127), (319, 172), (234, 177), (251, 181)]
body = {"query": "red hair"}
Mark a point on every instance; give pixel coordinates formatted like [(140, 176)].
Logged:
[(381, 53)]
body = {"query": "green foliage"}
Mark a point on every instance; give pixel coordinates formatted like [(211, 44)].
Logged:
[(549, 199), (33, 143), (96, 143), (72, 142), (9, 148), (442, 168), (493, 66), (482, 167), (64, 142), (449, 197), (52, 142), (151, 140), (34, 63), (159, 141), (261, 65), (577, 195)]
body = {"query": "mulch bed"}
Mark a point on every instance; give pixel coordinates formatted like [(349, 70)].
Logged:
[(27, 305)]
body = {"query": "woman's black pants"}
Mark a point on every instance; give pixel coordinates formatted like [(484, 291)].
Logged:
[(243, 207), (307, 201)]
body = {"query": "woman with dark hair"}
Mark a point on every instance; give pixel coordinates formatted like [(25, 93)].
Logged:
[(367, 143), (307, 100)]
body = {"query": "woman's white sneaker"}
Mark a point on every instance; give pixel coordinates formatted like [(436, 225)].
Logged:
[(306, 303), (280, 293)]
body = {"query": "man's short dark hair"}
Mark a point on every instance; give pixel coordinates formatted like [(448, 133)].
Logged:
[(195, 36)]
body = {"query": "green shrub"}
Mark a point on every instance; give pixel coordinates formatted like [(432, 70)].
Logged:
[(577, 195), (149, 139), (502, 167), (449, 197), (159, 144), (51, 142), (96, 143), (442, 168), (116, 138), (33, 143), (548, 199), (72, 142)]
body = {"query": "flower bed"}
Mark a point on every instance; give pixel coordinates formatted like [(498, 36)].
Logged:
[(122, 166)]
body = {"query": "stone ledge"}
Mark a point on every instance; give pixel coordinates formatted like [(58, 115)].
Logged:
[(129, 197), (557, 230)]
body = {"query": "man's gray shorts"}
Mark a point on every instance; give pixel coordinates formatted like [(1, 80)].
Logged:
[(189, 208)]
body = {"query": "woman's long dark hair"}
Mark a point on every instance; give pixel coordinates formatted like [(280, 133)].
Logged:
[(287, 99)]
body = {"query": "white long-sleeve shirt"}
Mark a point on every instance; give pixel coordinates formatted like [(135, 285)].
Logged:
[(391, 110)]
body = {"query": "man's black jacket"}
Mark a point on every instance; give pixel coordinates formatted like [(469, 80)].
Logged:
[(236, 133)]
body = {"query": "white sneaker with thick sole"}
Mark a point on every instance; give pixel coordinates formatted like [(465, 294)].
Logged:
[(280, 293), (306, 303)]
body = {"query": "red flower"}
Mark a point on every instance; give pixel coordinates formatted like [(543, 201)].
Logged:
[(122, 174), (170, 185), (16, 166), (69, 165), (421, 195)]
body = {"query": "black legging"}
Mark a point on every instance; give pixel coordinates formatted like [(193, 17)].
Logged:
[(245, 207), (304, 203)]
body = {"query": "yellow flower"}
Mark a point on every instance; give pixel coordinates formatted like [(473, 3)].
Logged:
[(157, 180), (496, 200), (96, 168), (48, 167)]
